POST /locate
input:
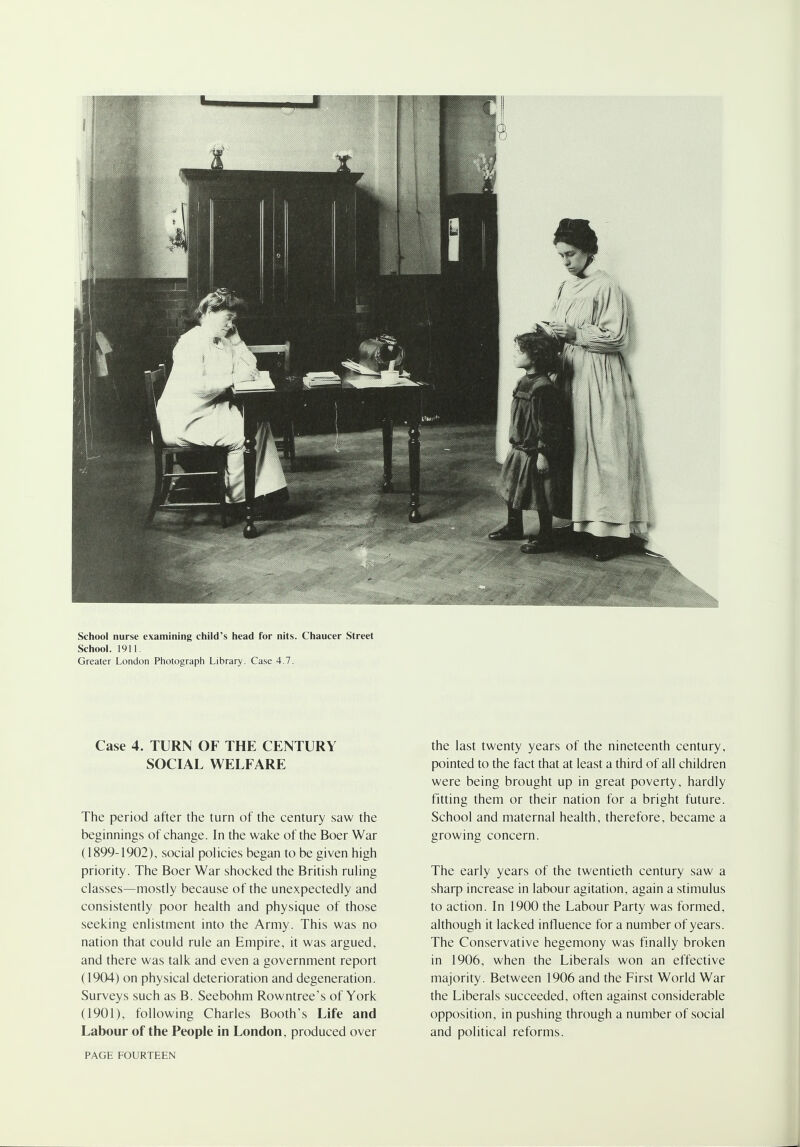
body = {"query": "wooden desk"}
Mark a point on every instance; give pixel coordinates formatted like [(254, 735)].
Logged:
[(382, 404)]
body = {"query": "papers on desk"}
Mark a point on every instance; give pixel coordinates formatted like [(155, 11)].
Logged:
[(322, 378), (349, 364), (263, 382)]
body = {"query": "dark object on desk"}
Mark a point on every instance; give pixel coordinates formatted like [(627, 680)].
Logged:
[(276, 357), (381, 353), (211, 461)]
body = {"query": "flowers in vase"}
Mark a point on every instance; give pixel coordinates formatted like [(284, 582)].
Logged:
[(486, 166), (216, 150), (343, 156)]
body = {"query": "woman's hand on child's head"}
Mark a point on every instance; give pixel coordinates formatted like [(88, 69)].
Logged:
[(563, 331)]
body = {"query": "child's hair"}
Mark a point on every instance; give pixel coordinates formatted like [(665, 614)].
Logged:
[(543, 350)]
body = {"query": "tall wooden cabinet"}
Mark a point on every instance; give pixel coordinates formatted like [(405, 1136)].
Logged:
[(469, 307), (297, 245)]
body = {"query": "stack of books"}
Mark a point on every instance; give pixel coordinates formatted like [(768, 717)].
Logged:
[(322, 378)]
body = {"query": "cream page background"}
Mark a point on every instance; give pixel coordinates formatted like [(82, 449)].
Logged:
[(431, 672)]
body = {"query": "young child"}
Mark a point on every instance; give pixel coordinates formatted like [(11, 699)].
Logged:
[(538, 469)]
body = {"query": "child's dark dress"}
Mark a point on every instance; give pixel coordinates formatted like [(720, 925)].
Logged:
[(540, 423)]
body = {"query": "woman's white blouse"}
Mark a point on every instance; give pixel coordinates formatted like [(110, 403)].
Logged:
[(203, 371)]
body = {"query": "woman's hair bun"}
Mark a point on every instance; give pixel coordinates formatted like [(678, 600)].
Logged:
[(579, 233), (220, 299)]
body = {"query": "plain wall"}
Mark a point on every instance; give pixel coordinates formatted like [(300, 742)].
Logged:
[(116, 189), (647, 173)]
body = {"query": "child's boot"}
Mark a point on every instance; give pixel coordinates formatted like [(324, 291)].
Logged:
[(512, 530), (544, 542)]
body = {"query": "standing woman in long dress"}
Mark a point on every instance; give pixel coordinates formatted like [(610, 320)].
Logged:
[(196, 408), (609, 492)]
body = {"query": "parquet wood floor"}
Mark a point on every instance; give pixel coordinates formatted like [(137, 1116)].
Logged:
[(345, 542)]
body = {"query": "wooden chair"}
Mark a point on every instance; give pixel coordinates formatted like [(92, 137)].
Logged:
[(211, 460), (277, 357)]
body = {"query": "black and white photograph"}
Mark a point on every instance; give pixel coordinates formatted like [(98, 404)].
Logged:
[(398, 349)]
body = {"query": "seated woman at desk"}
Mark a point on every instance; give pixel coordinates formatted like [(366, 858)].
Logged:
[(196, 408)]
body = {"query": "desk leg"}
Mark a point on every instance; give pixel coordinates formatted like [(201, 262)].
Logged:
[(388, 427), (413, 471), (250, 530)]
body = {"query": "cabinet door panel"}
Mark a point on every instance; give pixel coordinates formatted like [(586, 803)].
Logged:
[(235, 232), (468, 389), (313, 238), (304, 249), (473, 255)]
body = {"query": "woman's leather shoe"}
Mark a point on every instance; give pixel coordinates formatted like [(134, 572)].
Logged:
[(265, 509), (604, 549), (272, 507), (507, 534)]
